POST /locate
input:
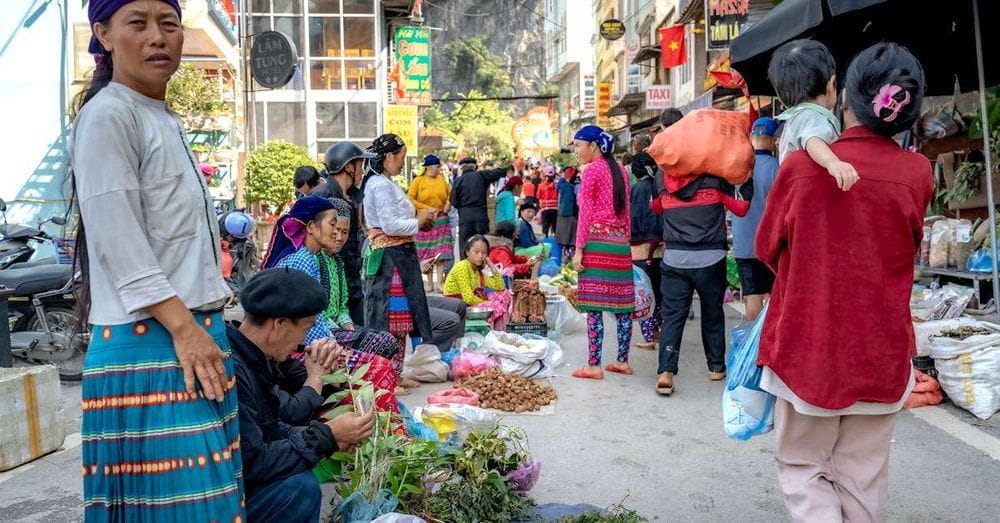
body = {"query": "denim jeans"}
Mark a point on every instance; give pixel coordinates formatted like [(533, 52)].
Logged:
[(677, 289), (295, 499)]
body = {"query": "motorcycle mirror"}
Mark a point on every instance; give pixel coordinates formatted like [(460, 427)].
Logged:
[(58, 220)]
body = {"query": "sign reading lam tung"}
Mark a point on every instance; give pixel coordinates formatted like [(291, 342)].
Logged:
[(272, 59), (726, 19), (413, 56)]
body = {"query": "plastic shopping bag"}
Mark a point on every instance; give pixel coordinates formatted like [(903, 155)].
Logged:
[(425, 365), (645, 302), (747, 410), (470, 363)]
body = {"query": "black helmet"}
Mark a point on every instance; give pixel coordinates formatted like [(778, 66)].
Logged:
[(342, 153)]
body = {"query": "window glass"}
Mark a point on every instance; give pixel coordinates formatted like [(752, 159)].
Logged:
[(291, 26), (286, 121), (359, 37), (324, 36), (260, 6), (326, 74), (288, 6), (324, 6), (364, 120), (258, 122), (359, 6), (360, 74), (259, 24), (330, 120)]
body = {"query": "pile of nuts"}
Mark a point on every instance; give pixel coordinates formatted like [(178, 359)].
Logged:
[(508, 393)]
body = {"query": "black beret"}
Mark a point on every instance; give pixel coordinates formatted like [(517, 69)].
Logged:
[(467, 160), (283, 293)]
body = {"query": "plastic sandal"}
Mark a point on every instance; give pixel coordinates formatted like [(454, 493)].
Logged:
[(620, 368), (587, 373)]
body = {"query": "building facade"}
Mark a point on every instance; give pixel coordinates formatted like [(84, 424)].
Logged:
[(569, 65)]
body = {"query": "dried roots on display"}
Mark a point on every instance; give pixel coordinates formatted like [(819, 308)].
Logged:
[(508, 393), (529, 303)]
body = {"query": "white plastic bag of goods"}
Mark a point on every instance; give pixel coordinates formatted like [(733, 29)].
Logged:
[(924, 331), (518, 355), (394, 517), (425, 365), (561, 316), (972, 380), (554, 357), (945, 348)]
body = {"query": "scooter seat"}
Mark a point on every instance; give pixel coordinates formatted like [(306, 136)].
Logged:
[(33, 280)]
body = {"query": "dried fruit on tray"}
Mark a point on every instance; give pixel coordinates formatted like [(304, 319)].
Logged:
[(961, 333), (508, 393)]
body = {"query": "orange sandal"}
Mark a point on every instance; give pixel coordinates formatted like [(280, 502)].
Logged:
[(589, 373), (620, 368)]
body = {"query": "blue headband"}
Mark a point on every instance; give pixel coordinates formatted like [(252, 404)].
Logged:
[(289, 230), (593, 133), (102, 10)]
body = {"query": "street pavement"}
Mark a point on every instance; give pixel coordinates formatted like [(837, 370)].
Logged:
[(667, 458)]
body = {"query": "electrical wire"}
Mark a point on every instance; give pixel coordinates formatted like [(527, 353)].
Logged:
[(466, 13), (543, 17)]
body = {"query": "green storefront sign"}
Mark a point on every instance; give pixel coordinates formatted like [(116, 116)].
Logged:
[(412, 71)]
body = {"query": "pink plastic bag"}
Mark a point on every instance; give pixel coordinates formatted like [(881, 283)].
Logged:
[(470, 363), (456, 395)]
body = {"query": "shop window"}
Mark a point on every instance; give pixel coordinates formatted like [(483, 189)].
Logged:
[(360, 74), (324, 6), (259, 24), (260, 6), (324, 36), (291, 26), (359, 37), (288, 6), (326, 74), (361, 7), (259, 122), (363, 120), (331, 121), (286, 121)]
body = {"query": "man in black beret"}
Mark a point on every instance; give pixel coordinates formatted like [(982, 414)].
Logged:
[(468, 195), (279, 442)]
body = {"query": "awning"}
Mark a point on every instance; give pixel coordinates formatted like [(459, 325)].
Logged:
[(629, 104), (691, 12), (647, 53), (638, 127)]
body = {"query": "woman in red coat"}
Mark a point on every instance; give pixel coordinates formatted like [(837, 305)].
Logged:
[(838, 338)]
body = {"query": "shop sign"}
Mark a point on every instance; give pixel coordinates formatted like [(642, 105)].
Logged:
[(726, 19), (224, 13), (589, 93), (401, 120), (612, 29), (658, 97), (603, 104), (631, 50), (272, 59), (413, 53)]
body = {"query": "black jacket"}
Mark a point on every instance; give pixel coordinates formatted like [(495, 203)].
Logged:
[(351, 252), (694, 215), (646, 225), (271, 448), (468, 195)]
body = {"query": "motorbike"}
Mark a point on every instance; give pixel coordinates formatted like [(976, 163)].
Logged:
[(240, 249), (42, 317), (19, 243)]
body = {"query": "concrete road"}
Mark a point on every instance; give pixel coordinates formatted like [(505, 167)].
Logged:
[(617, 439)]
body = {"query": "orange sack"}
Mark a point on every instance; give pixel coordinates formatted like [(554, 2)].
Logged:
[(706, 141)]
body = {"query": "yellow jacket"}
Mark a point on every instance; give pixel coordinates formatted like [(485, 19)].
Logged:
[(464, 280), (429, 192)]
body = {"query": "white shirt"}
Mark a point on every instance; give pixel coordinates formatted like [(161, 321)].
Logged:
[(388, 208), (151, 230)]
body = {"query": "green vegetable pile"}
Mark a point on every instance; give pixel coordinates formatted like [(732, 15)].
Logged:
[(616, 514)]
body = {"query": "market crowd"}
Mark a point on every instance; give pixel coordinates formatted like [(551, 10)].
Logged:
[(188, 417)]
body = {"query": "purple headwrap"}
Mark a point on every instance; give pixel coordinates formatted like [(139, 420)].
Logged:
[(342, 207), (290, 230), (102, 10)]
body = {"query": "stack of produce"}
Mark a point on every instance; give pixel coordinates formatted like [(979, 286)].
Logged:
[(508, 393)]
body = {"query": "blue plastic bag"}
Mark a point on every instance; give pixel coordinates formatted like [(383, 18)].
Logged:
[(448, 356), (747, 410), (550, 267), (414, 427), (979, 261)]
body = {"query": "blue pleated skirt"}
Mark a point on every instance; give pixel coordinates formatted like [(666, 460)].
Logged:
[(151, 451)]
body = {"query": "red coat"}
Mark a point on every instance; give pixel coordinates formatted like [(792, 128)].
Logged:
[(504, 256), (838, 327)]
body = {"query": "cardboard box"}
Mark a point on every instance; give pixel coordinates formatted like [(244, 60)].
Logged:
[(31, 415)]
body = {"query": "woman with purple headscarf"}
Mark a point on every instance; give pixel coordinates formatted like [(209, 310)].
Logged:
[(160, 430)]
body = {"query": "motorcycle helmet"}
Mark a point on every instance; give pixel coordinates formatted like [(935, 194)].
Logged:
[(342, 153), (239, 224)]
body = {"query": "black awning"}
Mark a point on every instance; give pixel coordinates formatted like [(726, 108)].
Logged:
[(647, 53), (629, 104)]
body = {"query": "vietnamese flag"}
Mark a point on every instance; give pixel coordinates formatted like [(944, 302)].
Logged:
[(672, 52)]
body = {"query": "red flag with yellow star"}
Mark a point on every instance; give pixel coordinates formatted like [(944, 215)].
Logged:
[(672, 52)]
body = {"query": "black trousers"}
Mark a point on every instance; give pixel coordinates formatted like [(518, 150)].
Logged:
[(678, 287), (447, 321), (549, 217), (468, 229)]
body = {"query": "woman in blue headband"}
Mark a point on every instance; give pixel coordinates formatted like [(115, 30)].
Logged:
[(160, 430)]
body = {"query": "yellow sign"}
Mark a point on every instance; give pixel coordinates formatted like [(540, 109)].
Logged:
[(603, 104), (401, 120)]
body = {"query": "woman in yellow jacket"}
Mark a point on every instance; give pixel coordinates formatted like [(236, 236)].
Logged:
[(430, 190), (477, 282)]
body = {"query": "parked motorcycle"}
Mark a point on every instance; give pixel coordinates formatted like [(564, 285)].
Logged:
[(42, 317), (241, 258), (18, 243)]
